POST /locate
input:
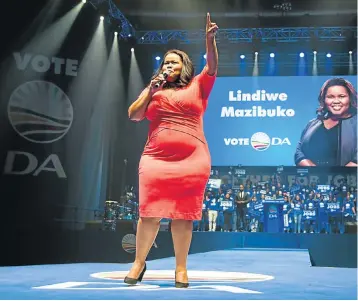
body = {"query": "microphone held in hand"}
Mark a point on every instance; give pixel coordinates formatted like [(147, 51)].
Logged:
[(165, 75)]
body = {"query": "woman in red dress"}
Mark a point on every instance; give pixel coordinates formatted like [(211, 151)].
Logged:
[(175, 164)]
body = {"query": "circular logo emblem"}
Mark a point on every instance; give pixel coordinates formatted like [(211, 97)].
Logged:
[(40, 112), (128, 243), (272, 209), (260, 141), (195, 276)]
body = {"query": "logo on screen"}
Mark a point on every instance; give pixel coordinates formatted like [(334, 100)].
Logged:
[(40, 112), (129, 243), (260, 141)]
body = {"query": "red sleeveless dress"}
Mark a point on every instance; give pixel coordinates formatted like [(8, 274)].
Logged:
[(175, 165)]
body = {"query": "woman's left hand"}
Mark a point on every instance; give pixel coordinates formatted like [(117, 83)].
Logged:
[(211, 28)]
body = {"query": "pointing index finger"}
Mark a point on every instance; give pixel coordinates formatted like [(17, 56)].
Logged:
[(208, 18)]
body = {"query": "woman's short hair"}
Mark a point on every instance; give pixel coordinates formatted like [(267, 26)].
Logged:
[(322, 112), (187, 72)]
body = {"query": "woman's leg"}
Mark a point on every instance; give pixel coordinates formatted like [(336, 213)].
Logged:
[(147, 230), (181, 232)]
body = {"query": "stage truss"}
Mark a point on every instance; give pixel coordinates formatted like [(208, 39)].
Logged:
[(250, 35), (228, 35), (259, 38)]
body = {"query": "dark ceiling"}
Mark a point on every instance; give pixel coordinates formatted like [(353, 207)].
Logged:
[(190, 14)]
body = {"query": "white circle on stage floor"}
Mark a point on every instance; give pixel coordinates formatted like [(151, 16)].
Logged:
[(194, 276)]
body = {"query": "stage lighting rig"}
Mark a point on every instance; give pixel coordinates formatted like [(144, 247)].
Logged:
[(111, 12)]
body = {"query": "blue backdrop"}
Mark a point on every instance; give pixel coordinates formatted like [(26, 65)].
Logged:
[(259, 120)]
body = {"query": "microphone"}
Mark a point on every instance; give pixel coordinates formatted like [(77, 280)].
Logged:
[(165, 74)]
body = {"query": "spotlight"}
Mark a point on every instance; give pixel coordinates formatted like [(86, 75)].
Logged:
[(101, 18), (272, 54), (242, 56), (350, 52), (132, 49), (315, 52), (302, 54), (157, 57), (84, 1), (129, 35), (204, 56), (328, 55), (256, 53), (115, 33)]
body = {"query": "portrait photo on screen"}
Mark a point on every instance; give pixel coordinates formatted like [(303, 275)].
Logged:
[(330, 139)]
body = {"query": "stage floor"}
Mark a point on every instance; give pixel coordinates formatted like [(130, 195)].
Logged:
[(230, 274)]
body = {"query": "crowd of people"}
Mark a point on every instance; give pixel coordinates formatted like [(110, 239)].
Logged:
[(306, 209)]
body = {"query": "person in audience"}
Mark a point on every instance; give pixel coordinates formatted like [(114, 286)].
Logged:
[(297, 213), (241, 199), (291, 219), (322, 214), (253, 225), (309, 214), (256, 213), (334, 207), (213, 206), (286, 209), (204, 219), (348, 209), (331, 138), (227, 205)]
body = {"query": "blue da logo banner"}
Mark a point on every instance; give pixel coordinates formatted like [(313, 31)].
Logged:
[(258, 121)]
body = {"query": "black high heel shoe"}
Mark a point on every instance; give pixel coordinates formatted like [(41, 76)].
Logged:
[(180, 284), (134, 281)]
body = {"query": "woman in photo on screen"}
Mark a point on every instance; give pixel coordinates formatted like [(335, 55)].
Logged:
[(331, 138), (175, 165)]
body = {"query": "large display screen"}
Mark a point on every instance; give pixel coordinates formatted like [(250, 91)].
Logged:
[(272, 121)]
